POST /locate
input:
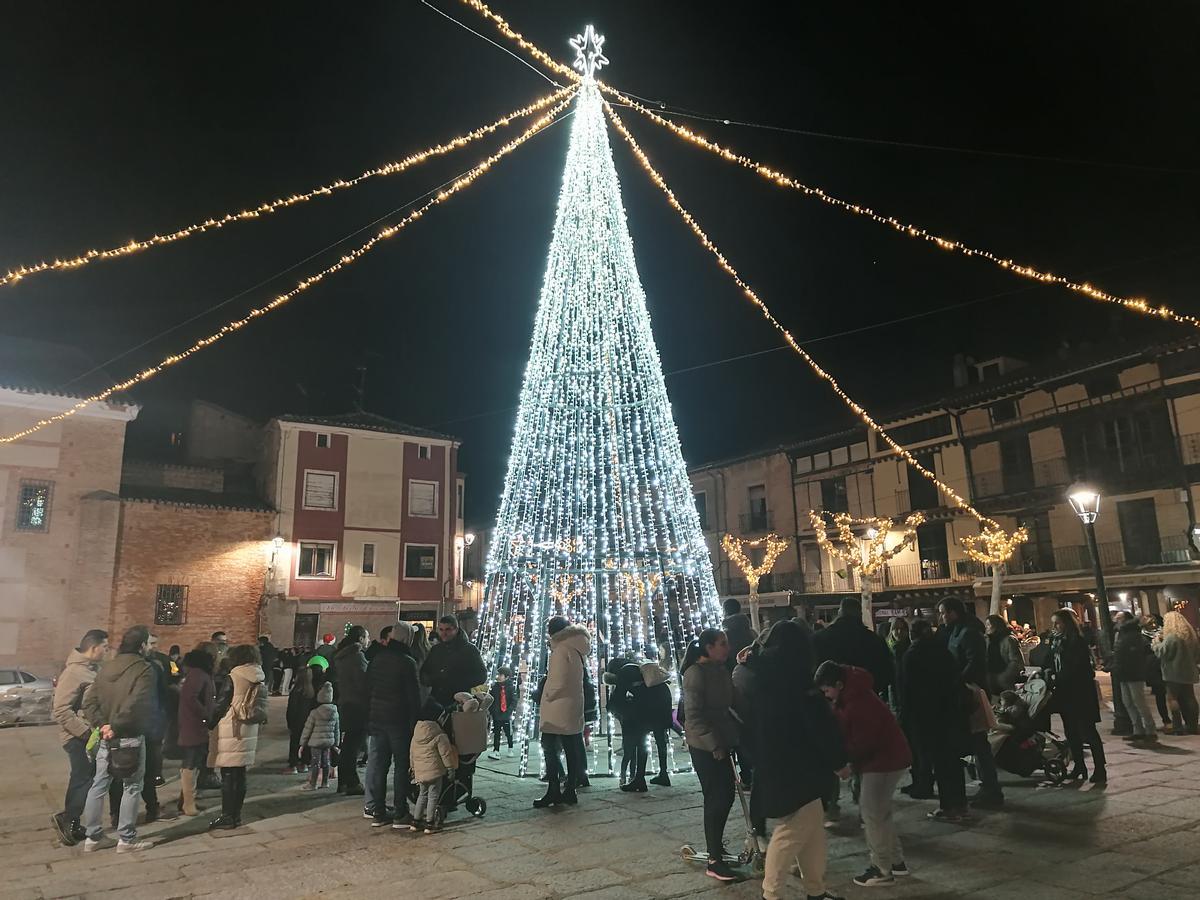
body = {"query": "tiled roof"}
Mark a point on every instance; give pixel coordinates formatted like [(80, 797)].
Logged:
[(367, 422), (192, 497)]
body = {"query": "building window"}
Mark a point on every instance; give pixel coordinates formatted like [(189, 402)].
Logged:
[(170, 604), (316, 560), (1003, 411), (33, 506), (320, 490), (922, 493), (323, 441), (422, 498), (756, 497), (1139, 531), (424, 451), (833, 495), (420, 562), (368, 563), (701, 500)]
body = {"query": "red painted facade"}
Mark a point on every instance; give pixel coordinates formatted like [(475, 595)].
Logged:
[(319, 524)]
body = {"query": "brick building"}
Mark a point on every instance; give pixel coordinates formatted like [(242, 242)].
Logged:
[(58, 532), (192, 557), (370, 522), (1011, 438)]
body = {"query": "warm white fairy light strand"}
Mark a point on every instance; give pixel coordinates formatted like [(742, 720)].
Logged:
[(347, 259), (1134, 304), (271, 206)]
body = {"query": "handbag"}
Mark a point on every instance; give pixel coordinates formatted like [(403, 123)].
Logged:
[(123, 762)]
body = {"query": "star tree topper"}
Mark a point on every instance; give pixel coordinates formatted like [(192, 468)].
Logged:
[(589, 51)]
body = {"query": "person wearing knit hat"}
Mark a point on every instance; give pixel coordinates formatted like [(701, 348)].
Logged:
[(395, 701)]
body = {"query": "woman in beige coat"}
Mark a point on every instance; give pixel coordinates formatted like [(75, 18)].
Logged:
[(241, 709)]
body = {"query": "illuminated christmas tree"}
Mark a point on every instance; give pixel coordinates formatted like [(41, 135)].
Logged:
[(597, 520)]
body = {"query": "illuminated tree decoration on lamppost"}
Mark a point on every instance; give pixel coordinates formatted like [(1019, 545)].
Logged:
[(735, 549), (993, 546), (596, 520), (868, 558)]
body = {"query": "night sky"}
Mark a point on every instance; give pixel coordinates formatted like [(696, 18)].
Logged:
[(122, 120)]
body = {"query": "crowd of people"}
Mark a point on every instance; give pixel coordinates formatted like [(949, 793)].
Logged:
[(795, 712)]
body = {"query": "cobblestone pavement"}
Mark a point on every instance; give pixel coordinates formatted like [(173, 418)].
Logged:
[(1138, 838)]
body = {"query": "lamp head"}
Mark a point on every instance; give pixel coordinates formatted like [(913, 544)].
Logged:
[(1085, 500)]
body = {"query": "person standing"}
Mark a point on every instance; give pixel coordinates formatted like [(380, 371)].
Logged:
[(1004, 660), (504, 700), (933, 712), (712, 735), (270, 657), (76, 677), (240, 712), (156, 732), (393, 704), (453, 665), (350, 671), (322, 732), (797, 745), (1129, 669), (1152, 625), (302, 696), (738, 630), (878, 752), (561, 708), (1072, 677), (197, 700), (120, 702), (967, 644), (1178, 652)]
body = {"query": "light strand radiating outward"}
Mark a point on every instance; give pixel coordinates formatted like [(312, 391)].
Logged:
[(211, 224), (303, 285), (1135, 304), (954, 497), (597, 521)]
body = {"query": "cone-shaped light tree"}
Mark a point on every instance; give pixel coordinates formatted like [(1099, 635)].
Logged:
[(597, 521)]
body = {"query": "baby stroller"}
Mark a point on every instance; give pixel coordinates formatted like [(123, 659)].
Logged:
[(1017, 745), (466, 724)]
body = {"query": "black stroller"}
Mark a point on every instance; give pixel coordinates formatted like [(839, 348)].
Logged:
[(1016, 743), (468, 730)]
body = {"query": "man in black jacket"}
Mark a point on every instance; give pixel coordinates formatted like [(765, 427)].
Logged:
[(963, 635), (350, 671), (393, 702), (453, 664), (121, 703), (738, 629), (848, 642)]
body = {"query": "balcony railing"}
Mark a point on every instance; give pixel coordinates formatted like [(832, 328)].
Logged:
[(1189, 449), (1176, 548), (757, 522), (1044, 474), (1070, 559)]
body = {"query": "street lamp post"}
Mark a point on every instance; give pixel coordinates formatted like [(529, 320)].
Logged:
[(1085, 500)]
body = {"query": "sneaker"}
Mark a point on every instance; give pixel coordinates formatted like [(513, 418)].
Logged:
[(430, 828), (942, 815), (415, 825), (721, 871), (309, 786), (381, 821), (133, 846), (368, 812), (874, 878), (899, 870), (65, 832), (101, 843), (493, 756), (662, 780)]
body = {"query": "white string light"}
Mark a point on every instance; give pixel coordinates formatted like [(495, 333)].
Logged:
[(271, 206), (347, 259), (597, 516)]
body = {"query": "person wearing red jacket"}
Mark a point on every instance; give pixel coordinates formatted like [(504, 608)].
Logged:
[(878, 751)]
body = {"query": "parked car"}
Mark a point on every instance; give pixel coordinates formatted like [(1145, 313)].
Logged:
[(12, 679)]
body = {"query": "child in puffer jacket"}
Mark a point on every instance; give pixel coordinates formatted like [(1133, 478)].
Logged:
[(322, 732), (432, 756)]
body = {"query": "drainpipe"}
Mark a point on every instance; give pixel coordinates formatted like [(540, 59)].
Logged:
[(795, 516)]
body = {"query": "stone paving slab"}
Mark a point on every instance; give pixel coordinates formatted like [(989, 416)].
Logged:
[(1138, 838)]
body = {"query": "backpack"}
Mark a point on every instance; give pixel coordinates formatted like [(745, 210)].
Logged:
[(252, 708)]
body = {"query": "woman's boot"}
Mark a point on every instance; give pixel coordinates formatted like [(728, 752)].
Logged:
[(187, 792)]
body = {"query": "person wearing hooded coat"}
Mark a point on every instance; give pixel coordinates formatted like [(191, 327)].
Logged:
[(796, 745), (350, 689), (197, 700), (561, 708), (301, 698), (394, 703), (241, 709)]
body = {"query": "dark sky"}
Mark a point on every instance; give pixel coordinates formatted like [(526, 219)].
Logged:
[(122, 120)]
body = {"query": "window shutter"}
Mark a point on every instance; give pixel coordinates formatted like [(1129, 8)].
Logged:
[(320, 490)]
